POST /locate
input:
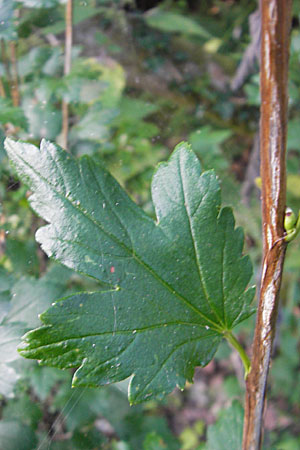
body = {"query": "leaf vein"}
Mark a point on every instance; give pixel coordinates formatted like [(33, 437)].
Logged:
[(115, 239), (120, 332), (197, 256), (170, 355)]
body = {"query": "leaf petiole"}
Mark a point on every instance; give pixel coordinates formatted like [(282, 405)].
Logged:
[(243, 355)]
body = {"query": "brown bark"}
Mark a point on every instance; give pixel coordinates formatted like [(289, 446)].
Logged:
[(11, 71), (5, 61), (2, 90), (276, 20), (14, 72)]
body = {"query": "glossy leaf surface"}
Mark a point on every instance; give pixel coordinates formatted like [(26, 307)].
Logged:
[(168, 289)]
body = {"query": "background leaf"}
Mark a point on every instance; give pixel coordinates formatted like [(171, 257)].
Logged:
[(227, 432), (15, 435), (7, 28), (176, 23), (30, 297)]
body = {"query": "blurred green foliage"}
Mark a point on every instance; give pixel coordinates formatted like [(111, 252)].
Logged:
[(141, 81)]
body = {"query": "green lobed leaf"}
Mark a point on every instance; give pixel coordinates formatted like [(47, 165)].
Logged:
[(173, 286)]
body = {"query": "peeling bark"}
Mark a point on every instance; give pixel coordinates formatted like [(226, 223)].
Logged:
[(276, 22)]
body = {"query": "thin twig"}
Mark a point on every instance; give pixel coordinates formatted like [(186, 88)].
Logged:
[(2, 90), (67, 69), (251, 55), (11, 71), (2, 236), (276, 21), (14, 74), (5, 61)]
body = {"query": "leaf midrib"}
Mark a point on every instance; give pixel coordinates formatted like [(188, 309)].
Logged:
[(115, 239), (197, 256), (132, 332)]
